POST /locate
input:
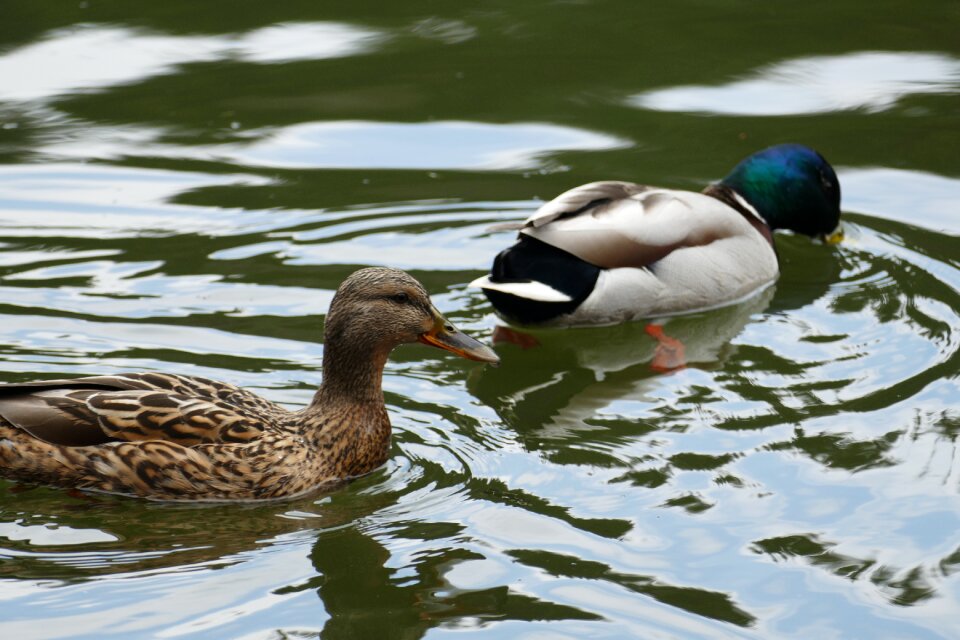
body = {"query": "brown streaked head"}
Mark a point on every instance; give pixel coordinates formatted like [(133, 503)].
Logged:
[(384, 307)]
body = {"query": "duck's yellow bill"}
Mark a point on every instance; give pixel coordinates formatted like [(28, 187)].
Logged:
[(835, 236), (446, 336)]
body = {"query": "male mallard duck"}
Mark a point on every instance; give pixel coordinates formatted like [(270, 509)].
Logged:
[(609, 252), (170, 437)]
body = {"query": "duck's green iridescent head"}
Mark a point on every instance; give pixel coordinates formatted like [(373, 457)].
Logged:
[(791, 186)]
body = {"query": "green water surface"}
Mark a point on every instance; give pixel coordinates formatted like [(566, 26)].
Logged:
[(184, 184)]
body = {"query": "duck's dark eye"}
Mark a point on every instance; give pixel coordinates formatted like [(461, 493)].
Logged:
[(400, 298), (825, 181)]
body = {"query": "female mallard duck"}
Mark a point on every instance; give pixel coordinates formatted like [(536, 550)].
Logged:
[(609, 252), (170, 437)]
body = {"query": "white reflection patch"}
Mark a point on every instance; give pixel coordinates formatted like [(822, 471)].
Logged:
[(421, 145), (94, 57), (867, 80), (912, 197), (358, 144), (52, 534), (305, 41), (349, 144), (99, 201)]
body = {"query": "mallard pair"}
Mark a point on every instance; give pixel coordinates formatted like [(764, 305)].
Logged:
[(601, 253)]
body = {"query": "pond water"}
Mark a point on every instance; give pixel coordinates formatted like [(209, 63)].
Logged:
[(183, 186)]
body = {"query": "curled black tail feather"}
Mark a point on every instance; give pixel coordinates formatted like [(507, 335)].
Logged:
[(531, 259)]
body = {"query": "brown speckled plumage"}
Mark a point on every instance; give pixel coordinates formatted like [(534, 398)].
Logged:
[(170, 437)]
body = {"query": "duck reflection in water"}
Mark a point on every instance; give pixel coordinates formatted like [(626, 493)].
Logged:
[(365, 597), (562, 378)]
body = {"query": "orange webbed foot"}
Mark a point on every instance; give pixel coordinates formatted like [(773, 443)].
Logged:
[(669, 354), (519, 338)]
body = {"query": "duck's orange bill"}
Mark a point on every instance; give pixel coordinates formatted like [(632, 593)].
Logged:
[(446, 336)]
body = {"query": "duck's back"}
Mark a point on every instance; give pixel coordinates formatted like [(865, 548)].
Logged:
[(639, 252)]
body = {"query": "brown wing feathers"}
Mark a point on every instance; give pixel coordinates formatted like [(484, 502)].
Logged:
[(79, 415), (152, 415)]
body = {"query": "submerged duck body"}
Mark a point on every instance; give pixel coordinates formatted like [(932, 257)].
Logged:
[(609, 252), (171, 437)]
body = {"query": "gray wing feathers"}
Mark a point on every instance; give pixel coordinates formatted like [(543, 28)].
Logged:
[(575, 200), (637, 228), (54, 416)]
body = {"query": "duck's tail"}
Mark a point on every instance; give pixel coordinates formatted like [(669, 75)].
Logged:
[(533, 282)]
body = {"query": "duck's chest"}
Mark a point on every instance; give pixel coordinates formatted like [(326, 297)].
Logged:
[(352, 446), (332, 450)]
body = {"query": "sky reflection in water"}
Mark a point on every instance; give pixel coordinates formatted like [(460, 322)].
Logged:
[(870, 80), (96, 57)]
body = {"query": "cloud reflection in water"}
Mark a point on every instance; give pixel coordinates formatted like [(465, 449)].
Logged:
[(871, 80), (421, 145), (450, 145), (94, 57)]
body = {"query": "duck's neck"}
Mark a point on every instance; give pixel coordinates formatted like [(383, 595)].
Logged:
[(352, 375), (731, 198), (353, 429)]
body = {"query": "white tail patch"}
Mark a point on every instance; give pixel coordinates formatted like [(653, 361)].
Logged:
[(531, 290)]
